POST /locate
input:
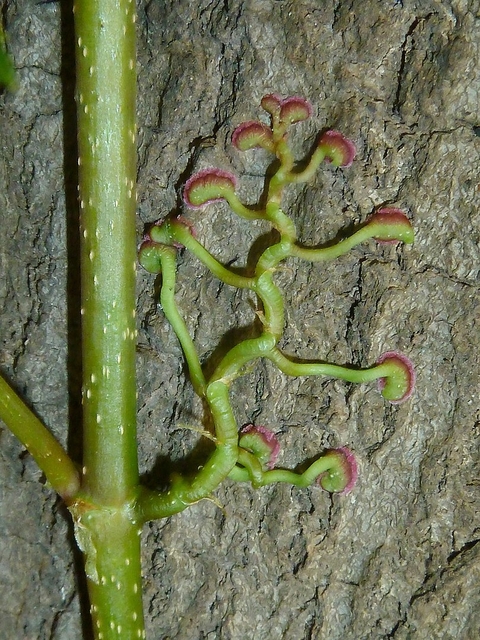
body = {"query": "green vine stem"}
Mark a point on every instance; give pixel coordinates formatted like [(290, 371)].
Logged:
[(104, 513), (51, 457), (102, 498), (106, 140)]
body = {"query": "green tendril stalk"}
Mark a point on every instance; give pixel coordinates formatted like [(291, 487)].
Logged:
[(250, 456), (106, 500)]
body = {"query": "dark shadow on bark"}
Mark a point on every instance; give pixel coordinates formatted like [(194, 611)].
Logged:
[(74, 346)]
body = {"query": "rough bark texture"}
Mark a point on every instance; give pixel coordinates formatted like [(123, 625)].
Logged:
[(397, 558)]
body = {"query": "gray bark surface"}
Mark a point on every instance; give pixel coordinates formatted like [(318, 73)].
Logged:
[(398, 557)]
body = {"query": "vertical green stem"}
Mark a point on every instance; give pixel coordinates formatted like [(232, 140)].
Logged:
[(104, 514), (110, 541), (106, 78)]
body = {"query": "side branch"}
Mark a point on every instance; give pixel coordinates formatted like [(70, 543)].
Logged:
[(45, 449)]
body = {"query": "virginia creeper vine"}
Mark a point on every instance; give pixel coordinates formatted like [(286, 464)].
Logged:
[(107, 503)]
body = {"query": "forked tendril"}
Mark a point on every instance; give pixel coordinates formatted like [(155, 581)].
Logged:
[(249, 454)]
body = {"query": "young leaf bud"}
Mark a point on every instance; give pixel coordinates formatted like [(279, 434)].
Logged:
[(208, 186), (340, 151), (295, 109), (249, 135), (262, 443), (149, 256), (342, 476), (399, 384), (271, 103), (393, 226)]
